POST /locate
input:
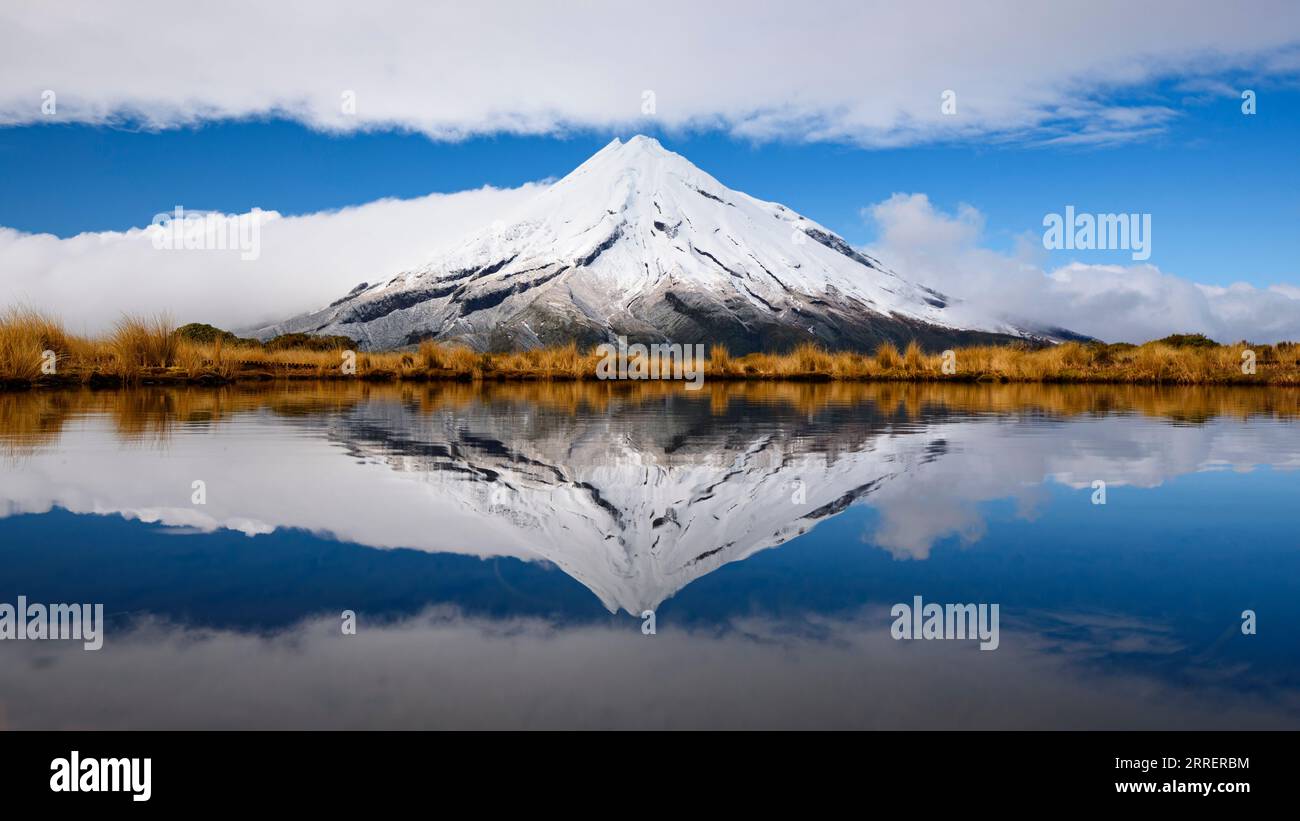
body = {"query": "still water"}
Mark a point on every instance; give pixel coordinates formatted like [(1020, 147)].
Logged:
[(504, 546)]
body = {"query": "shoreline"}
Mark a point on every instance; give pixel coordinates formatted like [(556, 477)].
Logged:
[(179, 378)]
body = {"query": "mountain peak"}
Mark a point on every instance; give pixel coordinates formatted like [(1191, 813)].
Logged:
[(636, 184), (639, 242), (638, 143), (640, 158)]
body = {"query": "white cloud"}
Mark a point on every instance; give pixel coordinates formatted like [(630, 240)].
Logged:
[(930, 482), (1112, 302), (839, 70), (305, 262)]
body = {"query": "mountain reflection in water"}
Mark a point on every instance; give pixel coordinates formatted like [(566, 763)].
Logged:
[(656, 498)]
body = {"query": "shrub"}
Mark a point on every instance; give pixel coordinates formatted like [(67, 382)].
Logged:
[(311, 342), (1188, 341), (199, 332)]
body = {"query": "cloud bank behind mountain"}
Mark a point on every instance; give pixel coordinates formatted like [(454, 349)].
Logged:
[(306, 261)]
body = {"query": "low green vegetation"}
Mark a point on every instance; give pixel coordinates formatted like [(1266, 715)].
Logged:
[(310, 342), (207, 334)]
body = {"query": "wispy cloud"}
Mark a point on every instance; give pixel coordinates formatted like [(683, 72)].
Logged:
[(865, 73)]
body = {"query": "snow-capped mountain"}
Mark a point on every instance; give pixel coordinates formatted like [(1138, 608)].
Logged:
[(639, 242), (636, 503)]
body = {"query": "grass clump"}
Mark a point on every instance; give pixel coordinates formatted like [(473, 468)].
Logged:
[(144, 342), (25, 336), (887, 357), (720, 363), (913, 358)]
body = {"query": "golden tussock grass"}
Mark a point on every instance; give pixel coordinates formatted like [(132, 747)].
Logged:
[(25, 336), (887, 357), (138, 343), (148, 350)]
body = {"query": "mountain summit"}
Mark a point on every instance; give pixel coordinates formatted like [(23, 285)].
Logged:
[(639, 242)]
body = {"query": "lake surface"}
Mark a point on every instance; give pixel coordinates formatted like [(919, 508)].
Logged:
[(500, 547)]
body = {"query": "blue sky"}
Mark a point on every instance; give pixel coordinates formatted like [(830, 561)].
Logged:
[(1223, 188)]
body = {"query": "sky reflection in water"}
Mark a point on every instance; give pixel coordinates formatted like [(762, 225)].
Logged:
[(499, 543)]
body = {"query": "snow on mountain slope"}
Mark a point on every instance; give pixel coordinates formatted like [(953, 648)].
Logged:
[(638, 241), (627, 503)]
